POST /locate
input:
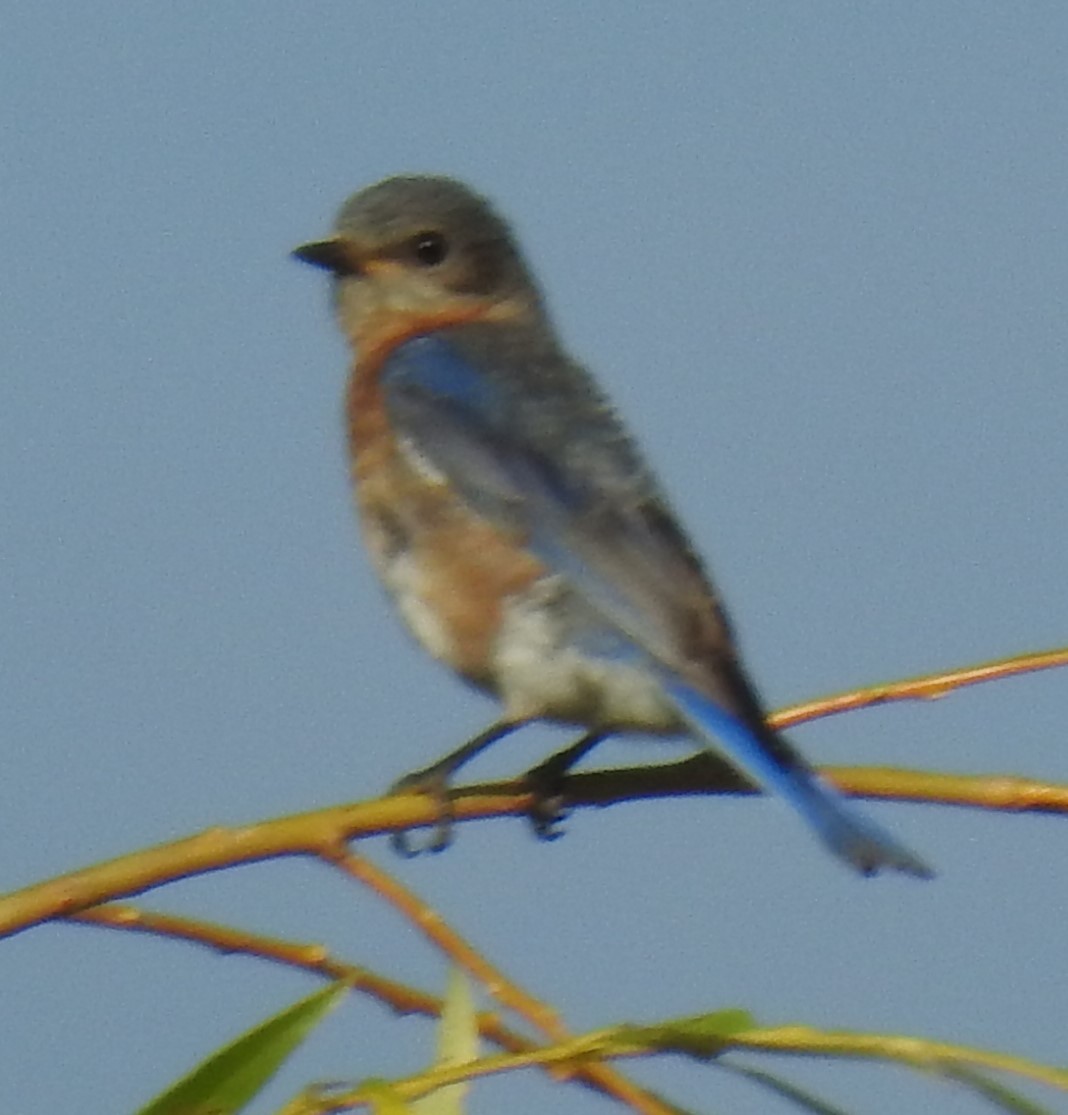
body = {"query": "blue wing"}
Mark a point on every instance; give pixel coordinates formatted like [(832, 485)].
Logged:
[(561, 475)]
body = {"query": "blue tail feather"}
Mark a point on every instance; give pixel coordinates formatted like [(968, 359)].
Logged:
[(850, 835)]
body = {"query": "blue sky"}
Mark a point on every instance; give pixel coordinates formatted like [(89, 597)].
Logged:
[(818, 254)]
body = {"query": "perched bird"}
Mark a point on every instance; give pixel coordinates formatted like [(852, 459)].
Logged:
[(512, 518)]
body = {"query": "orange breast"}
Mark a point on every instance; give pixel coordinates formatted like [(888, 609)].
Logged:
[(458, 568)]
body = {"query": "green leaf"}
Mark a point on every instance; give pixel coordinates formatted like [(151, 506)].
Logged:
[(231, 1077), (703, 1036), (457, 1043), (996, 1093)]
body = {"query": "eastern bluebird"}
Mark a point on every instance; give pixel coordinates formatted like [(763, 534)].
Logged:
[(510, 515)]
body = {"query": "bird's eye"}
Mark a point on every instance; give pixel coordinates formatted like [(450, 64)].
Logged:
[(430, 248)]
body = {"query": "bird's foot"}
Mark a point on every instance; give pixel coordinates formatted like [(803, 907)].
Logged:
[(548, 805), (433, 781)]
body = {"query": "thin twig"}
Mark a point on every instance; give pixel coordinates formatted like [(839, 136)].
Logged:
[(926, 687), (443, 937), (314, 958), (466, 957)]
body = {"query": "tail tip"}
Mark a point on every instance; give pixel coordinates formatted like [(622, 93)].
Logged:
[(871, 859)]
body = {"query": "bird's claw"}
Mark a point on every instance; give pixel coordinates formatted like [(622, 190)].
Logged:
[(435, 785), (548, 803)]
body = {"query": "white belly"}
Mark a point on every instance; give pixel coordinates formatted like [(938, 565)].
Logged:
[(545, 666)]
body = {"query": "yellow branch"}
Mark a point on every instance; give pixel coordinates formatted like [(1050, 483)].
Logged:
[(319, 833)]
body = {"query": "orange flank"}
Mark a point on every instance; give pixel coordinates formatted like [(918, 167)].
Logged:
[(457, 568)]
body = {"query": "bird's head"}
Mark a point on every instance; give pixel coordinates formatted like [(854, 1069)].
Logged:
[(421, 248)]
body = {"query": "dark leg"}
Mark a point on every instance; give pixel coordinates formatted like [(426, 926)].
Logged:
[(546, 785), (434, 780)]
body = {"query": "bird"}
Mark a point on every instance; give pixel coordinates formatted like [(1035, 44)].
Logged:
[(513, 519)]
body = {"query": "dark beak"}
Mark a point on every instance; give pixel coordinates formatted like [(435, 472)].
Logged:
[(335, 255)]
